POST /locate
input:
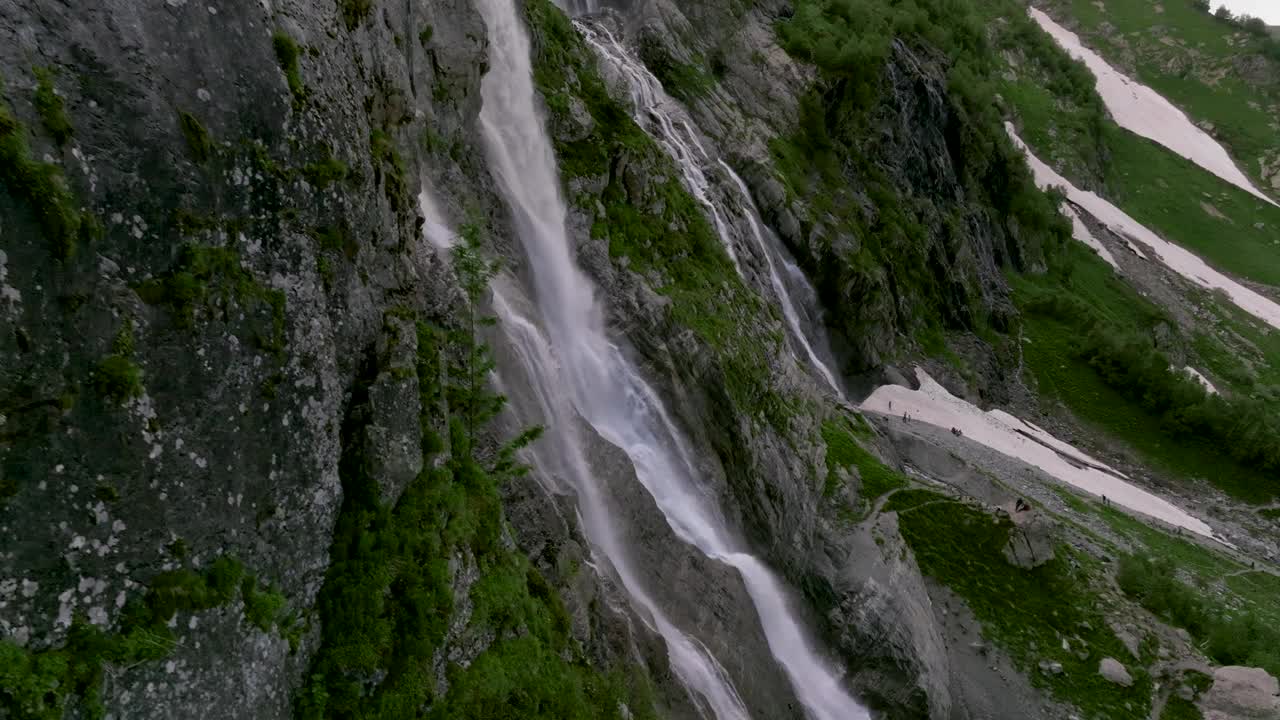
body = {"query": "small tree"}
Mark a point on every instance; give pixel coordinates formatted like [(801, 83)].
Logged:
[(1254, 26), (478, 406), (1222, 13), (1201, 5)]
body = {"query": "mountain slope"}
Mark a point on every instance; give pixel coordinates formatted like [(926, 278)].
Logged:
[(265, 454)]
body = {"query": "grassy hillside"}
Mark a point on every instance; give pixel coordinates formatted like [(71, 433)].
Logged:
[(1219, 71)]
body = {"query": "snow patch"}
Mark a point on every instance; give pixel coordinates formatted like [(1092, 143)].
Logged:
[(1018, 439), (1141, 110), (1199, 377), (1177, 258)]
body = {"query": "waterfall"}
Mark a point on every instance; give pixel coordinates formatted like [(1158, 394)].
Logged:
[(655, 111), (580, 373)]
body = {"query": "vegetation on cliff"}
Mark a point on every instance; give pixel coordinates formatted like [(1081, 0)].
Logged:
[(905, 242), (396, 607)]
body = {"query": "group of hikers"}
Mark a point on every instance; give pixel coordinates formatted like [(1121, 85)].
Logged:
[(906, 418)]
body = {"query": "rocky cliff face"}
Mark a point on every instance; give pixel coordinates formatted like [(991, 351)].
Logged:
[(195, 270), (220, 367)]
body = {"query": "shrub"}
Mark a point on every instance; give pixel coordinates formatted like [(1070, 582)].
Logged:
[(390, 166), (287, 54), (198, 141), (323, 172), (1254, 26), (49, 105), (43, 188), (117, 378), (354, 12), (1239, 639)]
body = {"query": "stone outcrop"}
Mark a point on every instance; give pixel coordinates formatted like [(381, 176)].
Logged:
[(1115, 672), (1241, 693), (1031, 542)]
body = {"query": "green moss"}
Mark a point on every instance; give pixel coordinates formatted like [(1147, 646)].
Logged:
[(198, 142), (287, 55), (211, 281), (264, 606), (41, 684), (1027, 612), (354, 12), (117, 378), (42, 187), (686, 81), (106, 493), (123, 344), (1178, 709), (390, 167), (424, 37), (843, 451), (50, 108), (336, 238), (322, 173), (179, 548)]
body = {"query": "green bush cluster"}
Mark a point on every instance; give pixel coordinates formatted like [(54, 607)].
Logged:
[(388, 600), (118, 378), (323, 172), (42, 187), (1244, 431), (1240, 638), (1255, 26), (287, 55), (50, 107)]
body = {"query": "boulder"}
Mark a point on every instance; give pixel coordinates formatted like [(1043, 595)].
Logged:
[(1050, 667), (1241, 693), (1031, 539), (1113, 670)]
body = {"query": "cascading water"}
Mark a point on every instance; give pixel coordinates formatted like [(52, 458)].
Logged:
[(662, 117), (580, 373)]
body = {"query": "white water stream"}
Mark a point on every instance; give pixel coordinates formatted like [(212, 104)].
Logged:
[(580, 373), (667, 123)]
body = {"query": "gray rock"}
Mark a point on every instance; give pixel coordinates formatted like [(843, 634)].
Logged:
[(885, 619), (1050, 667), (1241, 693), (393, 437), (1031, 541), (1113, 670)]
